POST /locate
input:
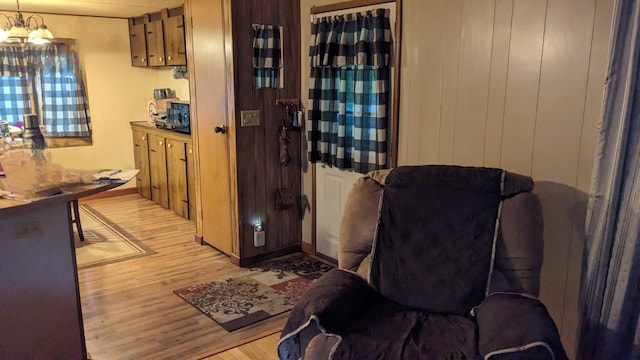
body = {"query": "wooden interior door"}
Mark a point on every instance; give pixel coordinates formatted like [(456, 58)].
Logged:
[(177, 177), (158, 170), (210, 65)]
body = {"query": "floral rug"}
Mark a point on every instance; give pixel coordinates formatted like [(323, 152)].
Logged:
[(257, 293)]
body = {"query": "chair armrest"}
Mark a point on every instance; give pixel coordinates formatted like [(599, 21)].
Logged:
[(511, 324), (330, 303)]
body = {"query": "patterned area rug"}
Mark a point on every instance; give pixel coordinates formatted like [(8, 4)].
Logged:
[(255, 294), (104, 242)]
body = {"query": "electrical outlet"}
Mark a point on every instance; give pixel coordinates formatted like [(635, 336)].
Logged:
[(250, 118), (258, 238), (23, 230)]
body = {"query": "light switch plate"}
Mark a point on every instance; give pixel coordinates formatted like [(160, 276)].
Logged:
[(249, 118)]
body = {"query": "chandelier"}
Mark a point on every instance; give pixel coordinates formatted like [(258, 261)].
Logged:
[(19, 30)]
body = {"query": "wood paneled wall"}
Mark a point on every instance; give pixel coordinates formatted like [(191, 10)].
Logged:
[(511, 84), (257, 146), (516, 85)]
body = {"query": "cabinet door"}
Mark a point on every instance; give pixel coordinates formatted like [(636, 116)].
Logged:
[(158, 170), (174, 46), (141, 159), (191, 181), (177, 177), (155, 43), (138, 44)]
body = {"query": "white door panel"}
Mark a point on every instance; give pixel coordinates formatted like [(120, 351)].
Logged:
[(333, 186)]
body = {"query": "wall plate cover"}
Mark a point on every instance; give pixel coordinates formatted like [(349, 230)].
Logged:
[(249, 118)]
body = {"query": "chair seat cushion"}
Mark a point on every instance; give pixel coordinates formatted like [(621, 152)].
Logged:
[(385, 330)]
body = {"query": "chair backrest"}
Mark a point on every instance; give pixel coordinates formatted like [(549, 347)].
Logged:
[(519, 248)]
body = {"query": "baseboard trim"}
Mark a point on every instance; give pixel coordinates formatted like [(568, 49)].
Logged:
[(308, 248), (111, 193), (251, 260), (198, 239)]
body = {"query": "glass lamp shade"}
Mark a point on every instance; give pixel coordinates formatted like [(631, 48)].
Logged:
[(18, 31), (41, 36)]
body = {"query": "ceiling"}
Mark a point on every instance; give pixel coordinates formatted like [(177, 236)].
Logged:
[(107, 8)]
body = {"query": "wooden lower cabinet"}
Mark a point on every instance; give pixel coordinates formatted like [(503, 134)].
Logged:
[(177, 183), (165, 159), (141, 159)]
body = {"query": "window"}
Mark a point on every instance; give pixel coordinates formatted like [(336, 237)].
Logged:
[(46, 80)]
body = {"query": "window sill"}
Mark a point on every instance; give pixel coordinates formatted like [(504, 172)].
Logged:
[(58, 142)]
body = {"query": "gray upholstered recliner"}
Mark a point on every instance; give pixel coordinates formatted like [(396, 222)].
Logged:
[(435, 262)]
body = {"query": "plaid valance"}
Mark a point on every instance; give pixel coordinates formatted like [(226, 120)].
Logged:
[(52, 75), (352, 39), (267, 55), (13, 61)]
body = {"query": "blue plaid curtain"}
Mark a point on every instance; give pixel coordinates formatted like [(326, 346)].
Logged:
[(16, 92), (266, 56), (52, 75), (349, 90)]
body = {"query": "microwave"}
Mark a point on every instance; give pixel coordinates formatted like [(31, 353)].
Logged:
[(177, 118)]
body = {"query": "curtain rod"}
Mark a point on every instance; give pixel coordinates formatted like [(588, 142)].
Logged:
[(347, 5)]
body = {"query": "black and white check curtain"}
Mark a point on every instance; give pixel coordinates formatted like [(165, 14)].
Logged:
[(16, 92), (50, 76), (267, 55), (349, 90)]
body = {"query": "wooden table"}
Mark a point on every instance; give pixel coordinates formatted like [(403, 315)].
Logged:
[(40, 312)]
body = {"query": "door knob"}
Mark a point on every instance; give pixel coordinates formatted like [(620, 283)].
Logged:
[(220, 129)]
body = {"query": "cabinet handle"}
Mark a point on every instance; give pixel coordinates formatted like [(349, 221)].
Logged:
[(142, 59), (159, 59), (160, 142), (169, 146), (169, 58), (144, 138), (190, 151)]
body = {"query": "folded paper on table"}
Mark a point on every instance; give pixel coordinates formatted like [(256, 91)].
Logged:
[(115, 175)]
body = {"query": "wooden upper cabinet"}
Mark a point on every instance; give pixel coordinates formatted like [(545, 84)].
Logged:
[(158, 39), (138, 43), (155, 43), (175, 49)]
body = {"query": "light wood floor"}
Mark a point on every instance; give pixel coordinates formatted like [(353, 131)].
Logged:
[(129, 310)]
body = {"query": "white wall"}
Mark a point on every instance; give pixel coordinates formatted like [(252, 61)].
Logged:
[(116, 90), (510, 84)]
